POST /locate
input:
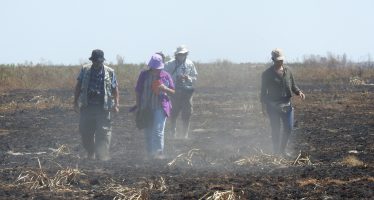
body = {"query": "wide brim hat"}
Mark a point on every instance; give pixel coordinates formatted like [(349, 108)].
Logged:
[(181, 50), (156, 62), (97, 55)]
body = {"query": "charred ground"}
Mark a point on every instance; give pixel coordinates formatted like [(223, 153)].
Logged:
[(228, 150)]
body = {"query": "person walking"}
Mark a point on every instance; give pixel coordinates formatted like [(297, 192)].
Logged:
[(277, 86), (96, 95), (184, 74), (152, 94)]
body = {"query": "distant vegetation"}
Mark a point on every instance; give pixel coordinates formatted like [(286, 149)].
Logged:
[(330, 70)]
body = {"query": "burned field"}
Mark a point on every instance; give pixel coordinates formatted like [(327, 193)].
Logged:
[(227, 156)]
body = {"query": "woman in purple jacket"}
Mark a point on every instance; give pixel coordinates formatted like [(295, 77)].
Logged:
[(152, 90)]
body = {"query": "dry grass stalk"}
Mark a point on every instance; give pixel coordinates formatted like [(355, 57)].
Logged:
[(24, 153), (302, 159), (156, 184), (127, 193), (188, 158), (248, 107), (62, 150), (222, 195), (34, 179), (140, 192), (261, 158), (66, 177), (356, 81), (39, 179)]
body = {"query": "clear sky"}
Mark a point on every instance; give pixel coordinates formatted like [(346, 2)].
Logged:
[(65, 31)]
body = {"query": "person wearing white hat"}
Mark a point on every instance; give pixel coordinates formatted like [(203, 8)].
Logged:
[(184, 74), (277, 87)]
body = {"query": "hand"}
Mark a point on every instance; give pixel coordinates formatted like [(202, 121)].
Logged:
[(301, 95), (162, 87), (76, 107), (115, 108), (183, 77), (186, 77)]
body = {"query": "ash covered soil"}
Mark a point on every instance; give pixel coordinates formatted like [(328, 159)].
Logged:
[(228, 153)]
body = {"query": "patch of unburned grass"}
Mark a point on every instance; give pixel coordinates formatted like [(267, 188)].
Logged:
[(37, 102), (352, 161), (222, 195), (330, 181), (39, 178)]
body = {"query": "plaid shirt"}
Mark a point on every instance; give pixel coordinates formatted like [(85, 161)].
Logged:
[(96, 85), (97, 81)]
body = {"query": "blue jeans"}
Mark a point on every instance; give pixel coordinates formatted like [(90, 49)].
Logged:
[(280, 139), (154, 135)]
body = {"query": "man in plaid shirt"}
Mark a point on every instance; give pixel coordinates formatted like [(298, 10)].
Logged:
[(97, 92)]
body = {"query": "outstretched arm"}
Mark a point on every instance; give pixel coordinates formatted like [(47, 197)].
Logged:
[(296, 89)]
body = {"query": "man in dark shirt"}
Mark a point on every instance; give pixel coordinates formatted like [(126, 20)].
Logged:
[(277, 87)]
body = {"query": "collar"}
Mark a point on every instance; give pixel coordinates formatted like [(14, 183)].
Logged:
[(97, 70)]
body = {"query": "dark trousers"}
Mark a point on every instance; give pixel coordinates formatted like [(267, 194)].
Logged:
[(96, 130), (280, 138), (182, 103)]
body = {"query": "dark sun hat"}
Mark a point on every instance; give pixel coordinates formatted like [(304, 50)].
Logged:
[(97, 55)]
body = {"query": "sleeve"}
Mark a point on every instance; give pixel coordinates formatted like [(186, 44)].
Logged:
[(193, 73), (140, 83), (294, 87), (114, 81), (80, 76), (171, 82), (263, 88)]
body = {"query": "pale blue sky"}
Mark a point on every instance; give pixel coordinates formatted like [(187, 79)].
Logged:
[(238, 30)]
